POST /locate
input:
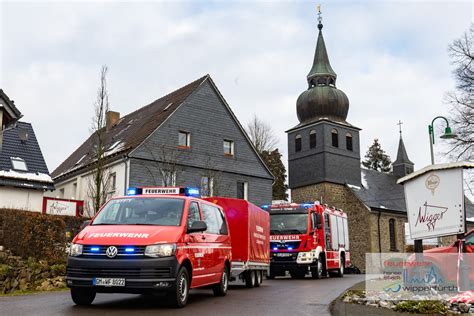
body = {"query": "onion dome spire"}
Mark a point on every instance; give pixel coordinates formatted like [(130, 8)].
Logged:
[(322, 100)]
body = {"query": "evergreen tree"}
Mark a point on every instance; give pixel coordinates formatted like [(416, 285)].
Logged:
[(273, 161), (377, 159)]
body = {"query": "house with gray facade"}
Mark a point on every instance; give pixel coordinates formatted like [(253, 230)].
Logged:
[(190, 137)]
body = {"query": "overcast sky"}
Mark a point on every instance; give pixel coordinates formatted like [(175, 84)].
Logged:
[(390, 57)]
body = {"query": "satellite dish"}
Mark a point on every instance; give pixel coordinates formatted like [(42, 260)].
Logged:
[(23, 134)]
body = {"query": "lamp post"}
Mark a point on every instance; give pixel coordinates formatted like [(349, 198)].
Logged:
[(447, 134)]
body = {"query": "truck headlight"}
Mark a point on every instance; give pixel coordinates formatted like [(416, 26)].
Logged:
[(75, 250), (305, 257), (160, 250)]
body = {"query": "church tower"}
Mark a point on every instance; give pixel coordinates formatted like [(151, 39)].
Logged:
[(402, 166), (323, 149)]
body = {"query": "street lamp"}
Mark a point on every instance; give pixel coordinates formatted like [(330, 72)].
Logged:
[(448, 133)]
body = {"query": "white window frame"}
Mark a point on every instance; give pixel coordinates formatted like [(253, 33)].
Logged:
[(188, 139), (231, 142), (210, 186)]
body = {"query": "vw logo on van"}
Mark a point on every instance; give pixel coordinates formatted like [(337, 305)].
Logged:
[(111, 252)]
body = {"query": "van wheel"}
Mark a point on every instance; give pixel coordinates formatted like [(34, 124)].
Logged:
[(250, 279), (82, 296), (179, 297), (220, 289), (258, 279)]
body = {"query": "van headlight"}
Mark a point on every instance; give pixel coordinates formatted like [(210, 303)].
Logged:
[(75, 250), (160, 250)]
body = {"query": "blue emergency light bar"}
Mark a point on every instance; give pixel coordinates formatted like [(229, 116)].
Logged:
[(302, 205), (184, 191), (129, 249), (95, 249)]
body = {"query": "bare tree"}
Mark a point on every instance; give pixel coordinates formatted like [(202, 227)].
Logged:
[(461, 101), (163, 167), (99, 185), (214, 180), (261, 135)]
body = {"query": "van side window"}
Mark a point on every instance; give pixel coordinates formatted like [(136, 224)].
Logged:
[(209, 214), (221, 222), (193, 214)]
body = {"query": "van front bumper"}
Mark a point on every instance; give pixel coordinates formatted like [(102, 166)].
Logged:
[(141, 275)]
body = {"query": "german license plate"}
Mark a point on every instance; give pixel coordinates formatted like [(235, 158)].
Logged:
[(283, 254), (108, 282)]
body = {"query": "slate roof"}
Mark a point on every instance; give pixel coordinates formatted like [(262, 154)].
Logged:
[(37, 175), (402, 156), (129, 132), (380, 191), (11, 110)]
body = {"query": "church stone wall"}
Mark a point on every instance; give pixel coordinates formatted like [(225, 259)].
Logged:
[(340, 196)]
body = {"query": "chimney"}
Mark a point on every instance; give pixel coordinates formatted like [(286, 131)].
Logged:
[(111, 118)]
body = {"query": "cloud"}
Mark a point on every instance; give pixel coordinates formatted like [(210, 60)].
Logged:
[(390, 59)]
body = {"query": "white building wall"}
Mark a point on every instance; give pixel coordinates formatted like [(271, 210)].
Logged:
[(77, 188), (21, 199)]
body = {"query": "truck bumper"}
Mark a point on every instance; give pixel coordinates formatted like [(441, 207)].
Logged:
[(141, 275), (279, 265)]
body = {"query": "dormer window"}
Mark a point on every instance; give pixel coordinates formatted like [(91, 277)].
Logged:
[(18, 164)]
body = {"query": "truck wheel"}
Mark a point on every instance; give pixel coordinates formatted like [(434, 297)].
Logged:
[(342, 266), (220, 289), (258, 278), (179, 297), (250, 279), (317, 272), (82, 296)]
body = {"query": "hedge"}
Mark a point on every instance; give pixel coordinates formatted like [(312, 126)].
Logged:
[(41, 236)]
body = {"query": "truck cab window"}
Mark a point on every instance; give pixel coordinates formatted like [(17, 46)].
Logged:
[(193, 214)]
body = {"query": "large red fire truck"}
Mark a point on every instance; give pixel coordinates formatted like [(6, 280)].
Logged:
[(167, 240), (307, 237)]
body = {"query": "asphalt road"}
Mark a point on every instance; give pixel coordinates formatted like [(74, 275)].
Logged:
[(282, 296)]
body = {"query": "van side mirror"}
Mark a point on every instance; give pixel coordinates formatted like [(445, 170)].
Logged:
[(197, 226), (84, 224)]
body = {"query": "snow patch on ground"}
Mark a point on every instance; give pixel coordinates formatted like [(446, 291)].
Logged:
[(354, 186), (364, 180)]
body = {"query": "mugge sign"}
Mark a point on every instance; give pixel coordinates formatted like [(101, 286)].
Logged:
[(435, 203)]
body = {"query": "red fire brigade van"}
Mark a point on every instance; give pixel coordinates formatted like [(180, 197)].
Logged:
[(154, 239), (307, 238)]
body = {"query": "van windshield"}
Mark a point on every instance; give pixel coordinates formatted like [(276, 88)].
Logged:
[(288, 223), (141, 211)]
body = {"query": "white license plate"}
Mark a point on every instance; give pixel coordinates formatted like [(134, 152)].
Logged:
[(108, 282), (283, 254)]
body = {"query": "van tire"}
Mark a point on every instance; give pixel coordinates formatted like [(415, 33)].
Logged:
[(179, 297), (220, 289), (250, 279), (82, 296)]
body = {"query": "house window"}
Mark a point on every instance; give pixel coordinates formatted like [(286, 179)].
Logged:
[(113, 181), (335, 139), (184, 139), (207, 186), (242, 190), (312, 139), (74, 190), (18, 164), (168, 178), (61, 193), (393, 242), (228, 147), (349, 141), (298, 143)]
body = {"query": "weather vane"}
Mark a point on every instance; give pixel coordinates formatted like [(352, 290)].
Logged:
[(320, 19)]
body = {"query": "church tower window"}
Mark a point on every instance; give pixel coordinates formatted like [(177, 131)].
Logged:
[(335, 139), (298, 143), (312, 139), (349, 141)]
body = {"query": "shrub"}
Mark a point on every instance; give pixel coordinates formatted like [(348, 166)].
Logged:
[(41, 236), (422, 307)]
